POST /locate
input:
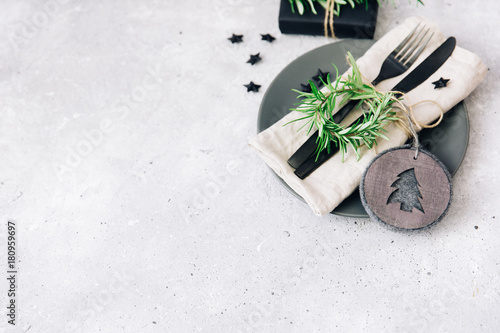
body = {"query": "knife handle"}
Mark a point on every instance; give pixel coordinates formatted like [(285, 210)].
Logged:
[(311, 164), (308, 148)]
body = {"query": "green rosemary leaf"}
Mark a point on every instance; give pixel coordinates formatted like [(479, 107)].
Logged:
[(312, 6), (382, 136), (298, 119), (300, 6)]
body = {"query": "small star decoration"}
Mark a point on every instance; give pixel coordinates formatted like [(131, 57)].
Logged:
[(320, 76), (252, 87), (268, 37), (255, 58), (441, 83), (305, 88), (236, 38)]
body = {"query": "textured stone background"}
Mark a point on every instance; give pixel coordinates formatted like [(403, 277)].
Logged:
[(139, 207)]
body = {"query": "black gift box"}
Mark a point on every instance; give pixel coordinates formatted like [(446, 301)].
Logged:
[(357, 22)]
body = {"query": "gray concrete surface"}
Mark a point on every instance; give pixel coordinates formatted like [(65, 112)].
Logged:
[(139, 207)]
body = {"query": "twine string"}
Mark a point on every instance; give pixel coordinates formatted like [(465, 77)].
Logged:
[(328, 22), (410, 128)]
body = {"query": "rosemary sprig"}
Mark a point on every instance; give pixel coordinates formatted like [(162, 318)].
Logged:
[(317, 109), (301, 5)]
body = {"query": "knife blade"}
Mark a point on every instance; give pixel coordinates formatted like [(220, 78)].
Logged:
[(416, 77)]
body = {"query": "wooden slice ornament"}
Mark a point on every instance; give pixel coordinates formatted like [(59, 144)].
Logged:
[(406, 187)]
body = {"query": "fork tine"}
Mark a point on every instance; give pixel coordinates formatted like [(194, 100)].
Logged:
[(413, 48), (411, 43), (403, 43), (417, 53)]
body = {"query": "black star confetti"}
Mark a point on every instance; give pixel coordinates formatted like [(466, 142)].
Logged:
[(305, 88), (320, 76), (252, 87), (441, 83), (254, 58), (236, 38), (268, 37)]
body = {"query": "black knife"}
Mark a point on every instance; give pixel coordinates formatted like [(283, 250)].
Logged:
[(421, 73)]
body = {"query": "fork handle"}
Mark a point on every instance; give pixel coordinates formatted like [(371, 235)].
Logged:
[(308, 149)]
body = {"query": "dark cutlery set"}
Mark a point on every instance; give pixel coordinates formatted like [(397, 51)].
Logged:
[(306, 159)]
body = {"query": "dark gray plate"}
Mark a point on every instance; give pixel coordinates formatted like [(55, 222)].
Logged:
[(448, 141)]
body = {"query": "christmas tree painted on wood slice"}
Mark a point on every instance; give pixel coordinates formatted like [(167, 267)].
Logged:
[(398, 183), (407, 192)]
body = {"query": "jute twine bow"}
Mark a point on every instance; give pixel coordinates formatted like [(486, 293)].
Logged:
[(328, 22), (409, 126)]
